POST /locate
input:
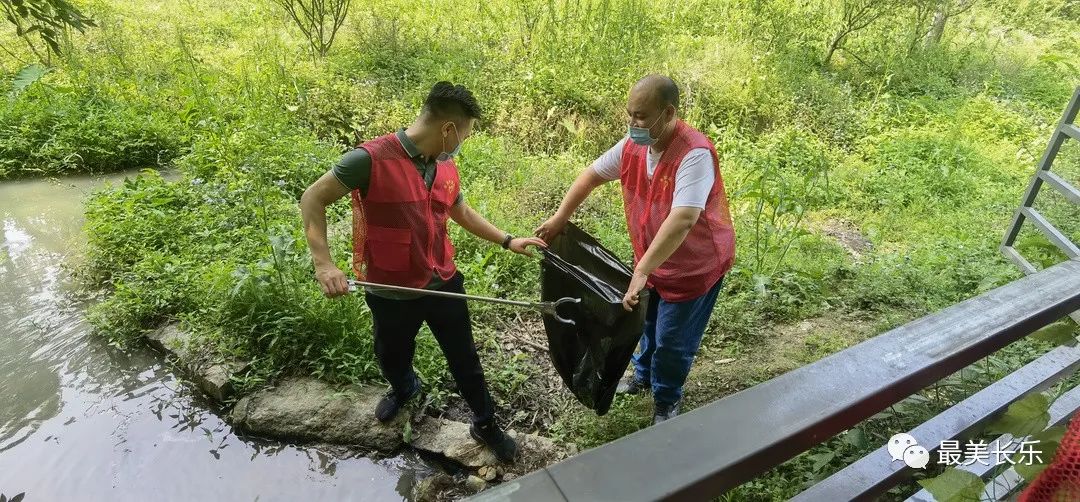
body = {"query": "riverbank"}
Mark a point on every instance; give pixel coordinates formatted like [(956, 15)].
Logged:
[(308, 410)]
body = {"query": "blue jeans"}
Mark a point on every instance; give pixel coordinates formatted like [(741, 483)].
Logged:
[(671, 337)]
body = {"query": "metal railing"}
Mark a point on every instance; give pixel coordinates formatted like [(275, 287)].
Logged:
[(707, 451)]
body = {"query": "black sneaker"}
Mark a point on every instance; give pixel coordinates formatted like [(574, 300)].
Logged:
[(390, 405), (631, 385), (501, 444), (663, 412)]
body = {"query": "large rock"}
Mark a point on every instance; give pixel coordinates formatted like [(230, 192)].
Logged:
[(452, 440), (310, 410), (433, 488), (213, 378), (475, 484), (171, 340)]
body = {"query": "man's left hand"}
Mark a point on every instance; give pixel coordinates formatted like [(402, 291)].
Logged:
[(520, 245), (637, 283)]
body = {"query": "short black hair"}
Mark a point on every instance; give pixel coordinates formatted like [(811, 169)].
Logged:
[(447, 100)]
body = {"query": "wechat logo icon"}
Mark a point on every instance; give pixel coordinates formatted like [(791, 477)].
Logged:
[(903, 446)]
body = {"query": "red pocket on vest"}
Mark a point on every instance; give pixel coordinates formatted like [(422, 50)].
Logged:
[(389, 247)]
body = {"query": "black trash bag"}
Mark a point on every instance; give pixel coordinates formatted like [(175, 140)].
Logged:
[(592, 354)]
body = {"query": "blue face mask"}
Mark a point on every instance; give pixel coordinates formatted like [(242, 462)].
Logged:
[(641, 135), (445, 156)]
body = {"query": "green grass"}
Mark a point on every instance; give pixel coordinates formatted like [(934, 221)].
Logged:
[(926, 152)]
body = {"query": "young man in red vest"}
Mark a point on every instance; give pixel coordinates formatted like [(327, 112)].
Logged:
[(680, 228), (404, 187)]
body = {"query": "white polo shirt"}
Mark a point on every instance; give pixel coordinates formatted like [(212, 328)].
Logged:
[(693, 180)]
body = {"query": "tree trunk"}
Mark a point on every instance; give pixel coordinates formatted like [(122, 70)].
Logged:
[(833, 45), (937, 27)]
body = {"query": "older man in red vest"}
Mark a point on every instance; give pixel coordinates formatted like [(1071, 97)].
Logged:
[(680, 228), (404, 187)]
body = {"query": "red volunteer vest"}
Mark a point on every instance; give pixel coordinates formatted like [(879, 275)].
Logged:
[(399, 229), (709, 249)]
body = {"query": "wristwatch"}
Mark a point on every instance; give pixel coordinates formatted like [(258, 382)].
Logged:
[(506, 241)]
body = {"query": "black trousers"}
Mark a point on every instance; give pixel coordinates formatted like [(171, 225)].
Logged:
[(398, 321)]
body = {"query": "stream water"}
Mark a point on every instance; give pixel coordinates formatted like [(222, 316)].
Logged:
[(81, 420)]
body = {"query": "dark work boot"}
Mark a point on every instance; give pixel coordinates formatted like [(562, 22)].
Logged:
[(631, 385), (662, 412), (390, 405), (501, 444)]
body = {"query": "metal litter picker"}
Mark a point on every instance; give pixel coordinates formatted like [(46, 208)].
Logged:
[(549, 308)]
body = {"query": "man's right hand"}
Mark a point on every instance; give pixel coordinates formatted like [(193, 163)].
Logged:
[(550, 228), (332, 281)]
